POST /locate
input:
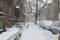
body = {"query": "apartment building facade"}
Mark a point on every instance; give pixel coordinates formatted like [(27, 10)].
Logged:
[(9, 14)]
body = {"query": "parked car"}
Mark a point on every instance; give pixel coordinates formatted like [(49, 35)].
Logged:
[(49, 25), (45, 24), (55, 27)]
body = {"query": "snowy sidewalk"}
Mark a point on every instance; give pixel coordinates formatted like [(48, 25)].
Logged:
[(34, 33), (9, 33)]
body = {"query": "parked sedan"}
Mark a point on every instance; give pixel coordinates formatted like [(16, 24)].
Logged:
[(49, 25), (55, 27)]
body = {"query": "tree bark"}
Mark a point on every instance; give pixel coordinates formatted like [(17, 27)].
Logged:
[(36, 12)]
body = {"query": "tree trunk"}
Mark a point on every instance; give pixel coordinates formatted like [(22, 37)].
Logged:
[(36, 12), (36, 18)]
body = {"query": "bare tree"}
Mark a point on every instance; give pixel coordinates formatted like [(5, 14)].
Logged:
[(38, 11), (36, 15)]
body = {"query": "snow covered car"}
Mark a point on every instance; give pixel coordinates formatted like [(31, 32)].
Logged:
[(45, 24), (49, 25), (55, 27)]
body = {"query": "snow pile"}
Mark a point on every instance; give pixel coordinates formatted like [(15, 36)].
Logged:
[(6, 35), (46, 23), (34, 33), (27, 24), (55, 24)]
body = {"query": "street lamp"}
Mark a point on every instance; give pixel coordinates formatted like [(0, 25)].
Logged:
[(17, 6)]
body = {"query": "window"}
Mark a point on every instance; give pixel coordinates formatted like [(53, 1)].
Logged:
[(0, 9), (7, 8), (1, 25), (13, 11), (0, 5)]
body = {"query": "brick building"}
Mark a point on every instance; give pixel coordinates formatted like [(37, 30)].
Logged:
[(9, 14)]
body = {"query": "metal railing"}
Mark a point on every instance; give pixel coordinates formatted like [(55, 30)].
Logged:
[(16, 36)]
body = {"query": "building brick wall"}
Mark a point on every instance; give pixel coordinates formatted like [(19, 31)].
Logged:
[(9, 12), (7, 6)]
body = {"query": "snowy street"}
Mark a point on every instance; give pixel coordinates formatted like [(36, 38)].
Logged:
[(35, 33), (29, 19), (10, 33), (29, 31)]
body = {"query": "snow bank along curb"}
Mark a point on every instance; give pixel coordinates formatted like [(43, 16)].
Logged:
[(9, 33)]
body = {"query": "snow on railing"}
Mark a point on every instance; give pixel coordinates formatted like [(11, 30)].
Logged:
[(16, 36)]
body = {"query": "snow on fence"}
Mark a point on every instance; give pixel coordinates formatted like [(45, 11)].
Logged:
[(11, 34), (16, 36)]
